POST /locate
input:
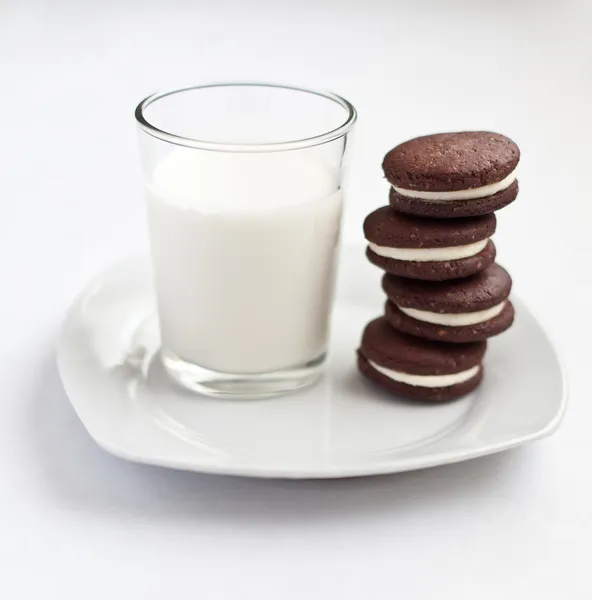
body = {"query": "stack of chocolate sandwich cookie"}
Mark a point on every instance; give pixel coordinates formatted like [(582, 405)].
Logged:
[(445, 294)]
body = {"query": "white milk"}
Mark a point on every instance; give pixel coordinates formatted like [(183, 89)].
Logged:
[(243, 248)]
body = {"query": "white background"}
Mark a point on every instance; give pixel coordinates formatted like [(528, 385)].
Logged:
[(77, 523)]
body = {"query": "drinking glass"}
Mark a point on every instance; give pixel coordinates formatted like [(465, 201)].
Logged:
[(243, 192)]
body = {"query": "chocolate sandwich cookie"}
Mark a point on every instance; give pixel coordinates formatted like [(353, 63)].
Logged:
[(448, 175), (460, 310), (430, 249), (419, 369)]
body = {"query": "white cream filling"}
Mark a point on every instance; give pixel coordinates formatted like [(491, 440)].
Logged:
[(429, 254), (429, 381), (455, 319), (480, 192)]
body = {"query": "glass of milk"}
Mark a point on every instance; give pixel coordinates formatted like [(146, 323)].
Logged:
[(243, 192)]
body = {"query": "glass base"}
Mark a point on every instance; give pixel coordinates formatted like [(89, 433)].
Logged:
[(255, 385)]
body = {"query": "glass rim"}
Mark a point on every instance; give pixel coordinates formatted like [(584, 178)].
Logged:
[(307, 142)]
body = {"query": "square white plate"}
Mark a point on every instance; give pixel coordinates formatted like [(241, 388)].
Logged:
[(341, 427)]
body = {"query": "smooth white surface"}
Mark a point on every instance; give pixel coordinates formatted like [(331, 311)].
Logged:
[(235, 249), (471, 194), (431, 381), (132, 409), (454, 319), (426, 254), (78, 523)]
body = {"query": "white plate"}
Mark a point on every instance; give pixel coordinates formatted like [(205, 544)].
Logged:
[(341, 427)]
